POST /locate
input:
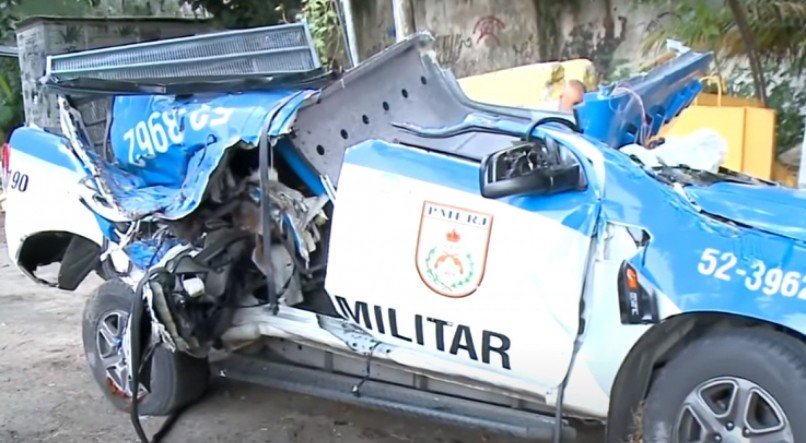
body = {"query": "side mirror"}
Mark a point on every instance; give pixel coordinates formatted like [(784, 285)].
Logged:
[(531, 167)]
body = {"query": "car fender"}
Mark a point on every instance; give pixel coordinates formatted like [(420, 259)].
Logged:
[(656, 345), (49, 201)]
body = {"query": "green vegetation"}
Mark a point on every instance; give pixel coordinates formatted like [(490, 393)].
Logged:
[(11, 114), (778, 29), (323, 19)]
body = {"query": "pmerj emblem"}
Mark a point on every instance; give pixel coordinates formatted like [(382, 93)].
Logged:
[(452, 248)]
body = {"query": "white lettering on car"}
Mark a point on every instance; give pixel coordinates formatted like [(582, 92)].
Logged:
[(760, 277), (154, 135), (489, 347)]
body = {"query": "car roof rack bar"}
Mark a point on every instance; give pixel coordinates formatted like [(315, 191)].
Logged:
[(266, 51)]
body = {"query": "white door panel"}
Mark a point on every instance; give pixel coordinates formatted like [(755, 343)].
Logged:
[(521, 320)]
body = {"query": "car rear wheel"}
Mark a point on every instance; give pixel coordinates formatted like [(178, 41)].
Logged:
[(739, 385), (169, 381)]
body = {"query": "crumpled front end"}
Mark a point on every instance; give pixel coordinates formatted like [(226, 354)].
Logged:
[(768, 208), (714, 243), (186, 185)]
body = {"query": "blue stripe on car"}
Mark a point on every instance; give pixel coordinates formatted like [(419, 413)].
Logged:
[(45, 146)]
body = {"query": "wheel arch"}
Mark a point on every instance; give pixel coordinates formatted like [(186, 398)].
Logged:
[(43, 248), (654, 349)]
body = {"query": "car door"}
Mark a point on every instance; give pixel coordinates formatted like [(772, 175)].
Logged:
[(420, 259)]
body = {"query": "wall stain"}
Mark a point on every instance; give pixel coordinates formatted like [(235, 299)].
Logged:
[(597, 42), (526, 51)]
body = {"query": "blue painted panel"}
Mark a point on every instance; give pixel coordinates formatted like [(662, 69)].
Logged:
[(771, 208), (681, 235), (173, 182), (305, 172), (45, 146), (155, 137), (615, 117)]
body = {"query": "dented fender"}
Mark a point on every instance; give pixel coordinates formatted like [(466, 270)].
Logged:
[(701, 262)]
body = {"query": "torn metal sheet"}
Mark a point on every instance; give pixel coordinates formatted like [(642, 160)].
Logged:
[(633, 110), (160, 169), (403, 84)]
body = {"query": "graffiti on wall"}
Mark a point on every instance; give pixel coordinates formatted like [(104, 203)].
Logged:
[(489, 35), (487, 27), (527, 50), (485, 32), (494, 34), (449, 47)]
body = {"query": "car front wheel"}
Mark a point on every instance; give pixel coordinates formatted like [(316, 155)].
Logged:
[(169, 381), (737, 385)]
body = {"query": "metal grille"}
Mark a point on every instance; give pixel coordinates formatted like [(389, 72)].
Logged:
[(269, 50)]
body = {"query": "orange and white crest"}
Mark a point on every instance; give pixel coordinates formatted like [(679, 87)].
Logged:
[(452, 248)]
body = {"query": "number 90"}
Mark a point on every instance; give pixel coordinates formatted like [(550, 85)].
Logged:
[(19, 181)]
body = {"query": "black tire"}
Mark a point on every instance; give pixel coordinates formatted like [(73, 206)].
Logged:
[(773, 361), (174, 379)]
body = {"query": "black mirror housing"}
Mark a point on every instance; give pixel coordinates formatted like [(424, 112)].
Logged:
[(532, 167)]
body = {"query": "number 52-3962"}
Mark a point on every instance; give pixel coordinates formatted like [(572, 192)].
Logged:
[(758, 276)]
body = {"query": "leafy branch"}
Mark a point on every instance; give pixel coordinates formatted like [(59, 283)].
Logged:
[(11, 112), (780, 38), (323, 21)]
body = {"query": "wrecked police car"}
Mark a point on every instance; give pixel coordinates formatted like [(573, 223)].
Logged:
[(376, 237)]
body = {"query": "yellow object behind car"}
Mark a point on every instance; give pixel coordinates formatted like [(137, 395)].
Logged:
[(536, 86)]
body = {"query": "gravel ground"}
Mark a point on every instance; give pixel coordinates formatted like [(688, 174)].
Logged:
[(47, 393)]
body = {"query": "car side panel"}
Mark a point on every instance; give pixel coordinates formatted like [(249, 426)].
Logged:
[(48, 202), (702, 263)]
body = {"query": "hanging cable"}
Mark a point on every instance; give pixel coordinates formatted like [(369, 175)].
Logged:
[(265, 163), (135, 322), (644, 129), (265, 209), (357, 387)]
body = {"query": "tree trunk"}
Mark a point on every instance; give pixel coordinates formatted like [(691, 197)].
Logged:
[(750, 47)]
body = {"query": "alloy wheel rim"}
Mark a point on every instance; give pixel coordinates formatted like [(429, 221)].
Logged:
[(109, 346), (732, 410)]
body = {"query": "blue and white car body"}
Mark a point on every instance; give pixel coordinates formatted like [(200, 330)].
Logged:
[(567, 296)]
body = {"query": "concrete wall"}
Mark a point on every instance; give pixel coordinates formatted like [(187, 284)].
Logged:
[(476, 36), (39, 37)]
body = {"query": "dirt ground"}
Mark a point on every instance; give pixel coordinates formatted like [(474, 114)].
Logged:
[(48, 395)]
